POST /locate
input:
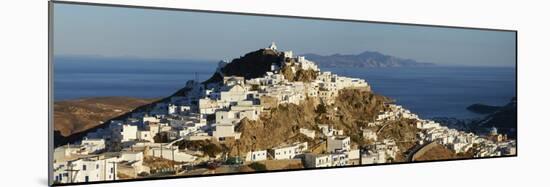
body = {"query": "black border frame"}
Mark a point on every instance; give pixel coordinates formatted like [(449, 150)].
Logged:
[(50, 88)]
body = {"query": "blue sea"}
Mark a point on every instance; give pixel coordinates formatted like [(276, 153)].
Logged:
[(427, 91), (76, 77), (440, 91)]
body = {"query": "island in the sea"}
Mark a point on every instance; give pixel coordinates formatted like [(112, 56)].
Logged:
[(366, 59), (267, 110)]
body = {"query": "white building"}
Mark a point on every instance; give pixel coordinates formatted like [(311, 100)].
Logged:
[(427, 124), (373, 157), (246, 109), (233, 89), (93, 145), (288, 54), (253, 156), (131, 163), (129, 133), (226, 117), (338, 143), (150, 119), (317, 160), (88, 169), (170, 153), (328, 131), (339, 159), (325, 160), (305, 64), (208, 106), (288, 151), (66, 151), (272, 46), (224, 131)]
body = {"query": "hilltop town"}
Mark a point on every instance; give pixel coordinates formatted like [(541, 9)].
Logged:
[(267, 110)]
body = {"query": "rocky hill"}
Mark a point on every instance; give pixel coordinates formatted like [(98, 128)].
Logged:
[(504, 119), (251, 65), (351, 111), (366, 59)]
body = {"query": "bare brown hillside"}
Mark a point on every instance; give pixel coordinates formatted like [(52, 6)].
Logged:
[(73, 116)]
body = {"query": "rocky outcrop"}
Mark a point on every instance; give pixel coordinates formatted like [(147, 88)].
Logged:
[(504, 119), (280, 125), (252, 65)]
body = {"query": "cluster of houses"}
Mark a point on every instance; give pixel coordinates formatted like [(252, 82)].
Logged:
[(338, 151), (88, 162), (395, 112), (212, 111), (494, 144), (380, 152), (205, 112), (461, 142)]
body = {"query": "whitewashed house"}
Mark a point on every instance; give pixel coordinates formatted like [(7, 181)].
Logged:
[(427, 124), (328, 131), (253, 156), (339, 159), (129, 133), (171, 153), (88, 169), (224, 131), (288, 151), (66, 151), (373, 157), (317, 160), (338, 143), (150, 119), (93, 145), (131, 163), (226, 117), (208, 106)]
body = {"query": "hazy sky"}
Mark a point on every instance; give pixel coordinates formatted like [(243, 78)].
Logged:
[(146, 33)]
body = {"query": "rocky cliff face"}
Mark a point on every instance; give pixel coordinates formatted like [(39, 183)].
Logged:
[(282, 123)]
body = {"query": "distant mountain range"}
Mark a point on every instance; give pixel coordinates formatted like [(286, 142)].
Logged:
[(367, 59)]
